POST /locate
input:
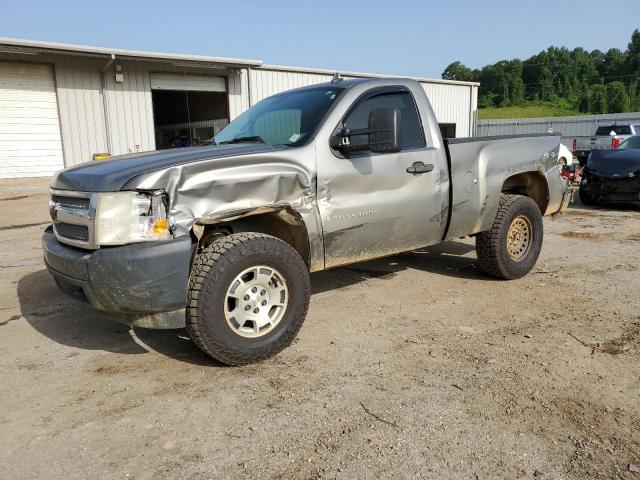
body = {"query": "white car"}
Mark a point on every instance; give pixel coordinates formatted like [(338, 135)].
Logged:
[(565, 157)]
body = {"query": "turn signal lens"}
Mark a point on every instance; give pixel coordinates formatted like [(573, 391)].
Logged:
[(161, 226)]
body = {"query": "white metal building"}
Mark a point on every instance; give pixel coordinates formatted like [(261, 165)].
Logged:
[(61, 105)]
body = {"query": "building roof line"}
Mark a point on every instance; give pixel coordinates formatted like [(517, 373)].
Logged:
[(55, 47), (14, 45), (324, 71)]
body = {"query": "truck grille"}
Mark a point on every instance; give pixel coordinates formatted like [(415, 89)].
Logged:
[(73, 215), (72, 232), (78, 203)]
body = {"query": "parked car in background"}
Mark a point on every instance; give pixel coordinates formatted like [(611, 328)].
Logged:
[(565, 157), (613, 176), (607, 137)]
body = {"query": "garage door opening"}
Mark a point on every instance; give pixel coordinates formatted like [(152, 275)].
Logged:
[(187, 110), (30, 141)]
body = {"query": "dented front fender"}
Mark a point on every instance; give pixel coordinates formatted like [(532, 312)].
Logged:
[(222, 189)]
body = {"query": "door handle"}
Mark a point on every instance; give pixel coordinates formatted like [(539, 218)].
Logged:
[(419, 167)]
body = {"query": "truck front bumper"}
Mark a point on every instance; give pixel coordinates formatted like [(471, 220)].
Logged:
[(143, 284)]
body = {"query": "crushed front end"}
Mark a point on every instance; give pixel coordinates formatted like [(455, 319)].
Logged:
[(115, 251), (606, 189)]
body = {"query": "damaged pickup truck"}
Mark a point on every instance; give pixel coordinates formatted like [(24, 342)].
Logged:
[(221, 239)]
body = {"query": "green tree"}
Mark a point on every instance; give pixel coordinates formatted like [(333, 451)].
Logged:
[(634, 95), (598, 99), (457, 71), (617, 98), (634, 45), (576, 79), (613, 65)]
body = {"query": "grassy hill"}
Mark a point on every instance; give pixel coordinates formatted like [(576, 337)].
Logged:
[(526, 111)]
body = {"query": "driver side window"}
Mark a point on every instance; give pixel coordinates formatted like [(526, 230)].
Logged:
[(411, 133)]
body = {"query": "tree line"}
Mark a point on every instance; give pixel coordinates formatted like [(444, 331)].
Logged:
[(589, 82)]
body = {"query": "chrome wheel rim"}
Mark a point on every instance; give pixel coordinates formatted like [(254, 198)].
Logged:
[(256, 301), (519, 237)]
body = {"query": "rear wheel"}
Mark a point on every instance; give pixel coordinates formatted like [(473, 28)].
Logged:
[(511, 248), (248, 297)]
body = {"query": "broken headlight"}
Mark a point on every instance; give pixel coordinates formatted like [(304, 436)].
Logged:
[(130, 217)]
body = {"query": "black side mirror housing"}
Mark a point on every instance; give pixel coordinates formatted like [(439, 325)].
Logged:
[(384, 130), (341, 141)]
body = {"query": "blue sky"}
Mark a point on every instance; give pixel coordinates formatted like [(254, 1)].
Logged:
[(403, 37)]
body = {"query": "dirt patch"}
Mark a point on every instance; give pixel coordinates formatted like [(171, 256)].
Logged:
[(402, 365), (581, 213), (24, 225), (586, 236), (9, 199)]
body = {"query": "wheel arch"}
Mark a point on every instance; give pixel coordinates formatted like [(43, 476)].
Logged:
[(282, 222), (530, 184)]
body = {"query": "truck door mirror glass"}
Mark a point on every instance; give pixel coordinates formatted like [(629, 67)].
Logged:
[(384, 131)]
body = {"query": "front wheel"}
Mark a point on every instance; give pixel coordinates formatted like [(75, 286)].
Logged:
[(511, 248), (248, 297)]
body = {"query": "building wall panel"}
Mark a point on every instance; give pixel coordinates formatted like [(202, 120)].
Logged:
[(238, 87), (80, 103), (451, 103), (129, 110)]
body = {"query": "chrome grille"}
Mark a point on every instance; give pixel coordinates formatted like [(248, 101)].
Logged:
[(73, 215), (79, 203), (73, 232)]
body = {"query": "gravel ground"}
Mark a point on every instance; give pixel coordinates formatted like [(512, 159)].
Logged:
[(415, 366)]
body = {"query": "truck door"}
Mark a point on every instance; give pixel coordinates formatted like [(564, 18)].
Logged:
[(376, 204)]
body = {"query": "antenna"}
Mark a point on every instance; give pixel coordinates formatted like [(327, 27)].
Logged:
[(336, 78)]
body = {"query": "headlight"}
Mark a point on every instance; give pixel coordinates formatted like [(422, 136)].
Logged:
[(129, 217)]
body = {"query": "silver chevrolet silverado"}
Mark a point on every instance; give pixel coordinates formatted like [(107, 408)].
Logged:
[(221, 239)]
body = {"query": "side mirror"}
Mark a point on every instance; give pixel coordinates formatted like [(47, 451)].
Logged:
[(341, 141), (384, 131)]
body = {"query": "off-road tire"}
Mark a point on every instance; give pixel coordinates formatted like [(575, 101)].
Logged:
[(213, 271), (491, 246)]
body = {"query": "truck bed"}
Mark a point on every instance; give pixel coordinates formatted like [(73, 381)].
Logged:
[(479, 167)]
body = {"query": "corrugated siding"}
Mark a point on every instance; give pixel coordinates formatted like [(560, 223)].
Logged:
[(265, 83), (451, 103), (574, 126), (130, 110), (79, 88), (30, 141), (187, 82), (238, 92)]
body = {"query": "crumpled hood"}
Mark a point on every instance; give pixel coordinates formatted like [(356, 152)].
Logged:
[(111, 175), (614, 162)]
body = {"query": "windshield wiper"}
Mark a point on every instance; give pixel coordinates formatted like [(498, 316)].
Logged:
[(251, 139)]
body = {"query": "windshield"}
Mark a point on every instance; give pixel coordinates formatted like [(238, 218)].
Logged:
[(618, 129), (630, 143), (286, 119)]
